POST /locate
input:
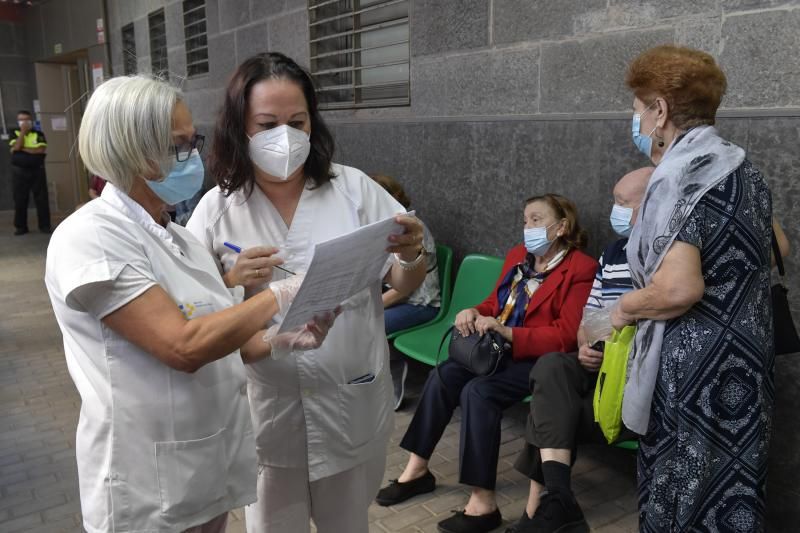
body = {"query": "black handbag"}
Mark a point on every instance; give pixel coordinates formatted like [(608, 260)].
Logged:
[(480, 354), (786, 339)]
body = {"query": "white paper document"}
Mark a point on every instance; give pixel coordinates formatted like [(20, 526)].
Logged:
[(339, 269)]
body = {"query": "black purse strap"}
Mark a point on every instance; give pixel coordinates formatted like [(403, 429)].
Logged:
[(776, 250)]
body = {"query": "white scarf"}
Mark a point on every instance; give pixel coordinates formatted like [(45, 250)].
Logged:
[(693, 164)]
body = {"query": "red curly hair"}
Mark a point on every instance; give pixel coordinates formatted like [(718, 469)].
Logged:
[(689, 80)]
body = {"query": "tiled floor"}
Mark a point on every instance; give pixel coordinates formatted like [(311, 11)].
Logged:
[(39, 411)]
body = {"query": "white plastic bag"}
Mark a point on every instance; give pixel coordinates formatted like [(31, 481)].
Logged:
[(596, 324)]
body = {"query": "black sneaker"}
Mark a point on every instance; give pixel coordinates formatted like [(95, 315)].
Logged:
[(397, 492), (20, 231), (521, 524), (461, 522), (399, 370), (558, 512)]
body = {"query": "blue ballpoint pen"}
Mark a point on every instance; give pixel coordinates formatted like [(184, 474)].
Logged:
[(238, 250)]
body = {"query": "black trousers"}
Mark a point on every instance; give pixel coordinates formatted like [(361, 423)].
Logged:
[(25, 181), (482, 401), (561, 414)]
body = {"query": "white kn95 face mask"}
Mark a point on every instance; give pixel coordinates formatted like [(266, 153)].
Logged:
[(280, 151)]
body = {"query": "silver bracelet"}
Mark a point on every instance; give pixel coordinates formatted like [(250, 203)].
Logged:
[(410, 265)]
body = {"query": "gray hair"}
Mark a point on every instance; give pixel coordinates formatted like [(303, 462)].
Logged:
[(126, 129)]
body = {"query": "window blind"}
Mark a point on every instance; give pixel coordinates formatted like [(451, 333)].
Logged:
[(359, 52), (196, 37), (158, 43), (129, 50)]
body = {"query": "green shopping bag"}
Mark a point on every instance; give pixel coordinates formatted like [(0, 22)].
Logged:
[(611, 383)]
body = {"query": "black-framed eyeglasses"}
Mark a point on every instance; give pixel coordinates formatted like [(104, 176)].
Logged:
[(183, 151)]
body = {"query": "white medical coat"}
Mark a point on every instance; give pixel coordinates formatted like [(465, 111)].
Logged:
[(304, 411), (158, 450)]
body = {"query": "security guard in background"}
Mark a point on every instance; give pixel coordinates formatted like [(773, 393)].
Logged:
[(28, 147)]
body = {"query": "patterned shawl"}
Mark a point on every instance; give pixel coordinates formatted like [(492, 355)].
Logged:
[(695, 163)]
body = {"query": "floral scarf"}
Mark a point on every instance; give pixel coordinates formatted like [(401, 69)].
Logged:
[(518, 286)]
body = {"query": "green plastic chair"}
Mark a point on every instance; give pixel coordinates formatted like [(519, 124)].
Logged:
[(444, 262), (476, 279)]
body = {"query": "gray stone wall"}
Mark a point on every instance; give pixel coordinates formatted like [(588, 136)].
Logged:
[(237, 29), (515, 97)]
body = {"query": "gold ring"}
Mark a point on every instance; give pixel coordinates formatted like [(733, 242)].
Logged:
[(258, 272)]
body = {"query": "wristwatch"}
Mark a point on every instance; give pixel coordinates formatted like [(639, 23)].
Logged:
[(411, 265)]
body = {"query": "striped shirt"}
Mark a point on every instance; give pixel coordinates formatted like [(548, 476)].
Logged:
[(613, 278)]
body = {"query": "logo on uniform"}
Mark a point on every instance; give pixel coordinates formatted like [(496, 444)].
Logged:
[(187, 310)]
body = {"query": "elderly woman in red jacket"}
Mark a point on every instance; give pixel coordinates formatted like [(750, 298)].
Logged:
[(536, 306)]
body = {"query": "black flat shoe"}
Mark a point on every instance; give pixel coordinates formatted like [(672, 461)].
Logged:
[(397, 492), (558, 512), (461, 522), (20, 231)]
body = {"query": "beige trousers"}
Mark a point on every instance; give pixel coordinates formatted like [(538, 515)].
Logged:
[(287, 502)]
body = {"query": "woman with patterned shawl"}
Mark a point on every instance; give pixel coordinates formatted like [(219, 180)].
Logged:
[(536, 306), (700, 379)]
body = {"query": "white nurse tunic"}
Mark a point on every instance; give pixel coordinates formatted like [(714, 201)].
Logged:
[(158, 450), (305, 412)]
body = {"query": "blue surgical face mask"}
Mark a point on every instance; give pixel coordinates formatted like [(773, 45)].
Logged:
[(621, 220), (536, 241), (643, 142), (182, 182)]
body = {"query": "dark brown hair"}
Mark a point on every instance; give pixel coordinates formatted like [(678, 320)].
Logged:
[(229, 160), (574, 236), (689, 80), (393, 188)]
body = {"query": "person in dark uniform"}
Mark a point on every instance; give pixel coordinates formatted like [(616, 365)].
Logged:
[(28, 147)]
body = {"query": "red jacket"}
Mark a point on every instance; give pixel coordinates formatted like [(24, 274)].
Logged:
[(556, 308)]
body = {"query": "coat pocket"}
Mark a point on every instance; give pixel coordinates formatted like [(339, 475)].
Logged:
[(191, 474), (363, 408)]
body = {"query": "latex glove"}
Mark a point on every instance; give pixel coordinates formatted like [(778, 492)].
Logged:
[(307, 337), (285, 290)]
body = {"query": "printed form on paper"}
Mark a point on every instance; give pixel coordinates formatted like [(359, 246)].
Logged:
[(341, 268)]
